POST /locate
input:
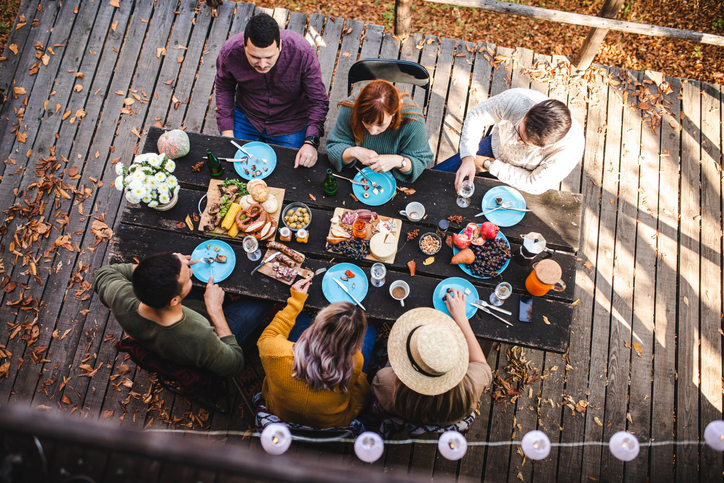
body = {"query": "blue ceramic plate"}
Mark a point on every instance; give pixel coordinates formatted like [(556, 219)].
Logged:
[(262, 151), (334, 293), (465, 267), (458, 284), (503, 217), (386, 180), (221, 271)]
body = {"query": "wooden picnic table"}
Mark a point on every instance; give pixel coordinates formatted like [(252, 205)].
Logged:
[(556, 215)]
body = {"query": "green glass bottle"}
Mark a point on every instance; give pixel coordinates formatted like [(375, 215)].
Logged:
[(330, 184), (214, 165)]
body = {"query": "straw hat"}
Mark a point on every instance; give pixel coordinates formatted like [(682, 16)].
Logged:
[(428, 351)]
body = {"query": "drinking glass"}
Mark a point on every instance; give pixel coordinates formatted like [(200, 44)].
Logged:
[(377, 274), (251, 247), (502, 292), (466, 191)]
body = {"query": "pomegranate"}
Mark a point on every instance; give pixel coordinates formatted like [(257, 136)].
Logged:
[(489, 230)]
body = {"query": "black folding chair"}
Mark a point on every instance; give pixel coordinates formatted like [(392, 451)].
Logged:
[(391, 70)]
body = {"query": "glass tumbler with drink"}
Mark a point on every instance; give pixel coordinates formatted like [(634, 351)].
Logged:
[(251, 247), (502, 292), (377, 274), (467, 188)]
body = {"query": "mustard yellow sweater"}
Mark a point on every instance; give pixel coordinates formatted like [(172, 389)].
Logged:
[(291, 399)]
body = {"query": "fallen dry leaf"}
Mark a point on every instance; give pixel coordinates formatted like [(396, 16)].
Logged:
[(189, 223), (13, 48), (637, 348), (597, 421), (545, 319), (428, 261)]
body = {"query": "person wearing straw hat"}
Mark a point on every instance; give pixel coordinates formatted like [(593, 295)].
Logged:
[(438, 369)]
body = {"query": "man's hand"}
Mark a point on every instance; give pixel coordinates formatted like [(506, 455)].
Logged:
[(214, 296), (455, 303), (228, 133), (302, 285), (306, 156), (186, 259), (466, 170)]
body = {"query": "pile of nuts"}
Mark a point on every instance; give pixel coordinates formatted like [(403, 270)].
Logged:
[(430, 244)]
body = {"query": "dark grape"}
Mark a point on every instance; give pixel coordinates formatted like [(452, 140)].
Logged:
[(356, 249), (489, 257)]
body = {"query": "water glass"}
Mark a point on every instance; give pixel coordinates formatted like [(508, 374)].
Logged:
[(467, 188), (251, 247), (377, 274), (502, 292)]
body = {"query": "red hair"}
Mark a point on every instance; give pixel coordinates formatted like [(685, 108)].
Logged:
[(377, 98)]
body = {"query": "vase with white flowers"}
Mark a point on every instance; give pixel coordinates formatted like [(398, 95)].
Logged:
[(148, 179)]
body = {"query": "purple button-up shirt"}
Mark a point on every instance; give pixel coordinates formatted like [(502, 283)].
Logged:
[(280, 102)]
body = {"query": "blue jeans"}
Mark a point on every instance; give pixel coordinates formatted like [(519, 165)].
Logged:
[(243, 129), (452, 164), (304, 321)]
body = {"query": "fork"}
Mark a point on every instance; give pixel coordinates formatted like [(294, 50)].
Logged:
[(374, 185), (210, 261), (489, 306), (505, 205), (350, 180)]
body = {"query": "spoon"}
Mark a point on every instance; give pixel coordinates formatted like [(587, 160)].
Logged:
[(210, 261), (505, 205)]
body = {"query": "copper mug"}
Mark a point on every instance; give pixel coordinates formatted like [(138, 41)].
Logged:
[(546, 275)]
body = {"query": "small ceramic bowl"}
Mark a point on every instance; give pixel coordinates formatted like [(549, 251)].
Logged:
[(295, 225), (428, 241)]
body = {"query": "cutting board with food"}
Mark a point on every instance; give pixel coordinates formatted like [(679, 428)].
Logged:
[(233, 209), (377, 236), (286, 265)]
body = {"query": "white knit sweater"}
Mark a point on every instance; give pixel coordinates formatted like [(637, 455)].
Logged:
[(530, 169)]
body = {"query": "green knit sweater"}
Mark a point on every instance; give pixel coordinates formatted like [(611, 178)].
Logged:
[(410, 141), (190, 342)]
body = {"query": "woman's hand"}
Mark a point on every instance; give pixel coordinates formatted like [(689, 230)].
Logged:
[(364, 155), (302, 285), (455, 303), (385, 162)]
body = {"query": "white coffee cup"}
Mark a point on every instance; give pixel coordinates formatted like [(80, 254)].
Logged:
[(413, 211), (399, 290)]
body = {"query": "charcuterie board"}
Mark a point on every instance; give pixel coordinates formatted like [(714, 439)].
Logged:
[(214, 196), (386, 242), (268, 268)]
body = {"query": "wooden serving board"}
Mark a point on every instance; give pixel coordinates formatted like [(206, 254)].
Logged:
[(267, 270), (340, 211), (213, 196)]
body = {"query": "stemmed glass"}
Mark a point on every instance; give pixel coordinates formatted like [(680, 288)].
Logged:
[(467, 188), (251, 247), (502, 292)]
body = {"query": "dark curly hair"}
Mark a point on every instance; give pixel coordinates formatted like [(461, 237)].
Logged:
[(155, 280), (262, 30)]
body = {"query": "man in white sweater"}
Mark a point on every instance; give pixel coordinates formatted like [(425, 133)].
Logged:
[(533, 146)]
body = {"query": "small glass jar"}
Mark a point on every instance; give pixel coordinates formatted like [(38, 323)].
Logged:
[(302, 236), (285, 234), (359, 229), (442, 227)]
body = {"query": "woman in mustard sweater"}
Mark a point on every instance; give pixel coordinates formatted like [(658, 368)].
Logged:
[(315, 370)]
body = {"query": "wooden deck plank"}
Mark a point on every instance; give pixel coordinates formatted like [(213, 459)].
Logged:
[(327, 53), (297, 22), (410, 53), (17, 37), (390, 48), (444, 50), (457, 101), (604, 263), (711, 269), (664, 384), (688, 334)]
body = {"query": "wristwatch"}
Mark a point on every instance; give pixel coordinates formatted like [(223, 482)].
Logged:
[(404, 163), (486, 164), (313, 140)]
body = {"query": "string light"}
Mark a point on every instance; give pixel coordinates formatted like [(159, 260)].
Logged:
[(536, 445), (624, 446), (714, 435), (276, 438), (369, 447), (452, 445)]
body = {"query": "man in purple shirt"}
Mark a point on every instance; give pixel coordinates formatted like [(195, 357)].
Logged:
[(269, 88)]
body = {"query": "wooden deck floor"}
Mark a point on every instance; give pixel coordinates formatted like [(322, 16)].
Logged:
[(87, 80)]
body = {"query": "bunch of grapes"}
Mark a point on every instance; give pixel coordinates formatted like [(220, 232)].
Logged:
[(489, 257), (357, 249)]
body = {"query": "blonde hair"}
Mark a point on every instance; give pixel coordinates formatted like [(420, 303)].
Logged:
[(324, 353), (446, 408)]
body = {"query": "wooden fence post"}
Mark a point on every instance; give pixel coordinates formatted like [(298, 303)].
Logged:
[(593, 41), (403, 18)]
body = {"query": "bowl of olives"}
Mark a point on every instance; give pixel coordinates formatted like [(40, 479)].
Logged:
[(297, 216)]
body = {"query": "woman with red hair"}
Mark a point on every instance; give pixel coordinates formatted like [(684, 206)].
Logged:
[(382, 129)]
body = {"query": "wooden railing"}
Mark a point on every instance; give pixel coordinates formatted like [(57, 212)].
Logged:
[(600, 25)]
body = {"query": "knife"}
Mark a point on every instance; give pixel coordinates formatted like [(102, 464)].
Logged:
[(510, 208), (230, 160), (487, 311), (350, 294), (251, 156), (493, 307), (265, 261), (374, 185)]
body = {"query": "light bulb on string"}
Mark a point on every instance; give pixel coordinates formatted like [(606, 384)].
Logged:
[(452, 445), (369, 447), (624, 446), (536, 445), (714, 435), (276, 438)]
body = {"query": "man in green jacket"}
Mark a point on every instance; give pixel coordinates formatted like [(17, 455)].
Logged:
[(148, 300)]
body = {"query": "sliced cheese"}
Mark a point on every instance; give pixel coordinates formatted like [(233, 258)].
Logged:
[(467, 291), (381, 249)]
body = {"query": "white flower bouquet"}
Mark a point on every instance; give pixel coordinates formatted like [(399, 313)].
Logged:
[(148, 179)]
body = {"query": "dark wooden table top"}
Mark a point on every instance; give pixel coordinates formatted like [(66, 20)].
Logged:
[(556, 215)]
